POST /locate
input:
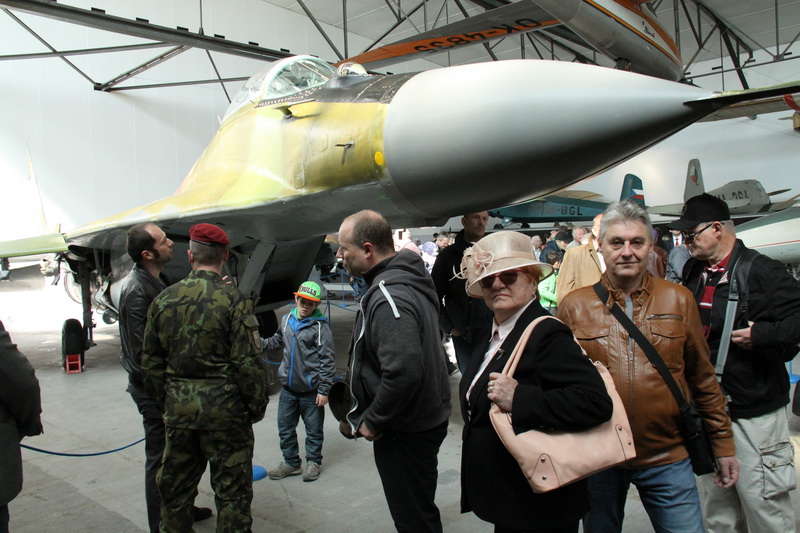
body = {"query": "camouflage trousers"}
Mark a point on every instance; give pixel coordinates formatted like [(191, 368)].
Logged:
[(229, 453)]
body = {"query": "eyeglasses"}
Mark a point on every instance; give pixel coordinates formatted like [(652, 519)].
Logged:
[(690, 235), (509, 277)]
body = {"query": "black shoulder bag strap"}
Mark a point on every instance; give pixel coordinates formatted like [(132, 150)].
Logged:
[(644, 344), (696, 435), (737, 293)]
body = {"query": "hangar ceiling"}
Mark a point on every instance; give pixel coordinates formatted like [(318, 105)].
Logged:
[(704, 29), (730, 32)]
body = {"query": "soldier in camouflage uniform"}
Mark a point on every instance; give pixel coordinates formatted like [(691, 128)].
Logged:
[(202, 364)]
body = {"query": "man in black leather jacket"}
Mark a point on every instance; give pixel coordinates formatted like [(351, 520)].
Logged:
[(150, 250)]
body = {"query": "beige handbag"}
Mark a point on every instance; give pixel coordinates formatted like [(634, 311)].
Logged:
[(552, 459)]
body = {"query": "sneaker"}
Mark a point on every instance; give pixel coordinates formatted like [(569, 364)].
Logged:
[(311, 472), (283, 470)]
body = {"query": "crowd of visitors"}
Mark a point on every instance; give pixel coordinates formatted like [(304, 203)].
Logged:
[(720, 318)]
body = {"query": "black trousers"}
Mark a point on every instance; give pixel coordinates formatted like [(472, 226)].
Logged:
[(571, 529), (407, 464), (154, 439), (4, 518)]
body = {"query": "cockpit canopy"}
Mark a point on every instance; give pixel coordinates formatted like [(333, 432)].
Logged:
[(286, 77)]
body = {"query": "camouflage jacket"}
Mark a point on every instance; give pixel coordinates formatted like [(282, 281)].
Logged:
[(201, 358)]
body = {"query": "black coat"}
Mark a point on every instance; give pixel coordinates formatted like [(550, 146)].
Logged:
[(756, 379), (458, 310), (559, 388), (20, 413)]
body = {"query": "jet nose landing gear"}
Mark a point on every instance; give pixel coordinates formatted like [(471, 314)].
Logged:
[(72, 346)]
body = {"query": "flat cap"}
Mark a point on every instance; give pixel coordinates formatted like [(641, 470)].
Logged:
[(208, 234)]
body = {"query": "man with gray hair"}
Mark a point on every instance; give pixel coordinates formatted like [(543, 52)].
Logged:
[(750, 340), (578, 232), (667, 316)]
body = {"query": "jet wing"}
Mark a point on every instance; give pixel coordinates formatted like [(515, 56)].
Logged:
[(675, 209), (42, 244), (753, 108), (242, 217), (517, 18), (574, 195)]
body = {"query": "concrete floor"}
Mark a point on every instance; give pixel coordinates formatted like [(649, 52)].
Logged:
[(90, 412)]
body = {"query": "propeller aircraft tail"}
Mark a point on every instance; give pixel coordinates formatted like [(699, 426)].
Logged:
[(694, 181), (633, 189)]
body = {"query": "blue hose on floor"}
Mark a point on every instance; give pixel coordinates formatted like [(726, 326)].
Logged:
[(79, 454)]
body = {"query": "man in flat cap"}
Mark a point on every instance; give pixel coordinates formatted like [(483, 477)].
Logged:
[(750, 340), (202, 363), (151, 250)]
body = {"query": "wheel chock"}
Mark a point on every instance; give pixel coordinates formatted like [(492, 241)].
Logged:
[(72, 364)]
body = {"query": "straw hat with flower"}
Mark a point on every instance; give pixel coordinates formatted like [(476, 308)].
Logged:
[(500, 251)]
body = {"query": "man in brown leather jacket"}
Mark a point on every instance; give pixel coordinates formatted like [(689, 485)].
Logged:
[(667, 315)]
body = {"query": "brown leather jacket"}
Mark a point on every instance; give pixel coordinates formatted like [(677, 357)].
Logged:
[(667, 315)]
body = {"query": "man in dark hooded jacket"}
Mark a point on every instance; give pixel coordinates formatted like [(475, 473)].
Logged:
[(20, 416), (397, 372), (460, 316)]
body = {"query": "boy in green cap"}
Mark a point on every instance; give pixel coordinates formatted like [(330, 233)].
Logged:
[(306, 375)]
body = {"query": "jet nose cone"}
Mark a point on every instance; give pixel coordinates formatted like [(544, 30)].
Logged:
[(491, 134)]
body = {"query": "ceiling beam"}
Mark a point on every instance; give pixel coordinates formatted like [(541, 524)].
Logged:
[(141, 28)]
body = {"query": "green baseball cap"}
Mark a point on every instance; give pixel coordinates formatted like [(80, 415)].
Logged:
[(310, 291)]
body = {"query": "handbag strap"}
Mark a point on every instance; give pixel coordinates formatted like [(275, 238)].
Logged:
[(644, 344), (513, 359)]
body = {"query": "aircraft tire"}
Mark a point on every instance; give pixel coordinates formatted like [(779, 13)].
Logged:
[(267, 323), (71, 340)]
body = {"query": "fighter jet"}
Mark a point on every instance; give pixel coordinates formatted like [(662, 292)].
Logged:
[(305, 144), (565, 206), (744, 197)]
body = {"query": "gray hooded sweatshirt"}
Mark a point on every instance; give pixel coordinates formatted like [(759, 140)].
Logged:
[(398, 377)]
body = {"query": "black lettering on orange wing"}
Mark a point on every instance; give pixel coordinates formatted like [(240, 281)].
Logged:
[(475, 36), (456, 40), (528, 23), (509, 29)]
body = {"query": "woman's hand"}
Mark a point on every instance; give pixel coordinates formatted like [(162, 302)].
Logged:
[(501, 390)]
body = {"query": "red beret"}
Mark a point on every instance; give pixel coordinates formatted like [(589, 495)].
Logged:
[(208, 234)]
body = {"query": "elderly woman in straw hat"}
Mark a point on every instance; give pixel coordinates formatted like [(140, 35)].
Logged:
[(554, 386)]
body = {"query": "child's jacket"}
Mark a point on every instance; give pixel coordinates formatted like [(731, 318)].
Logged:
[(308, 353)]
